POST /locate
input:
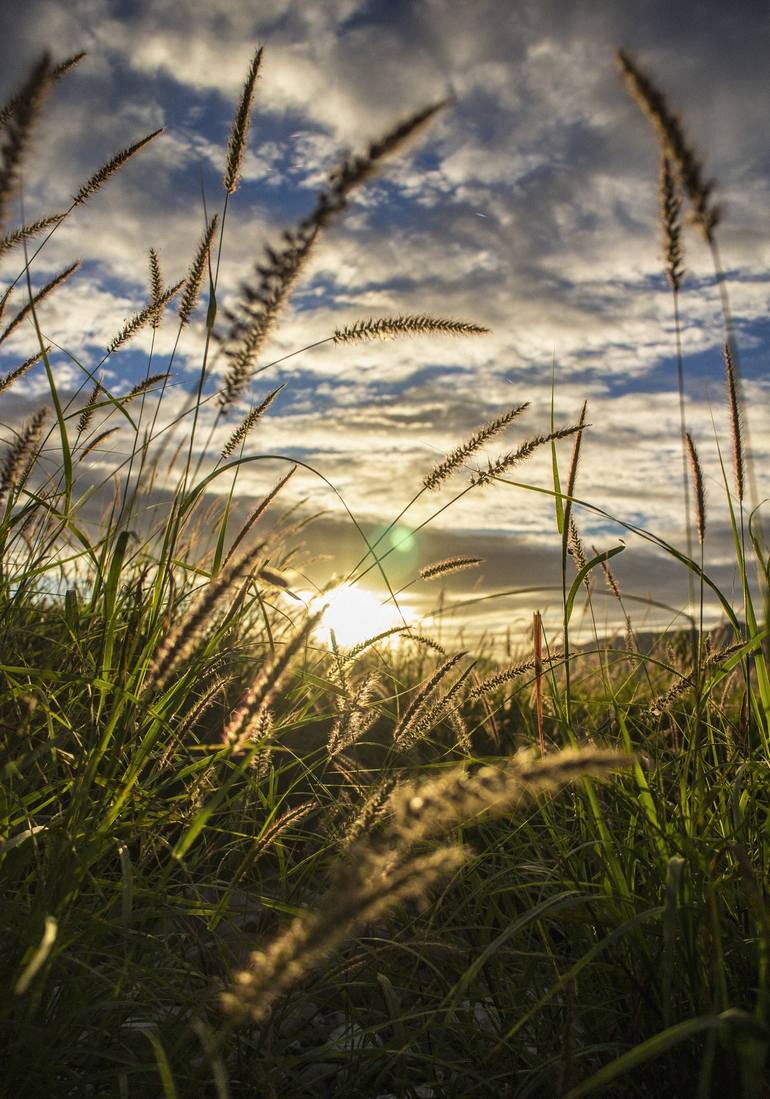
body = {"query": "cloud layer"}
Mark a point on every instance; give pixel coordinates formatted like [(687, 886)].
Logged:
[(530, 208)]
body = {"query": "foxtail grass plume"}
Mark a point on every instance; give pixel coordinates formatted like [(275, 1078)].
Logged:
[(56, 73), (572, 475), (697, 484), (21, 454), (507, 461), (734, 409), (689, 172), (430, 807), (20, 117), (26, 232), (357, 898), (670, 220), (139, 320), (355, 716), (356, 650), (426, 642), (19, 371), (383, 875), (145, 384), (194, 280), (89, 407), (242, 431), (236, 146), (260, 509), (113, 165), (156, 288), (38, 298), (506, 675), (402, 734), (384, 328), (243, 724), (456, 458), (96, 442), (448, 566)]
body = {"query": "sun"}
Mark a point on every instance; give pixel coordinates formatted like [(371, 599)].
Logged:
[(355, 615)]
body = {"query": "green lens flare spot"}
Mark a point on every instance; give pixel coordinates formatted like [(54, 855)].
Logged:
[(402, 540)]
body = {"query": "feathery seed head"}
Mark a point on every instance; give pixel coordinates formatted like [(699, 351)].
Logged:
[(705, 213), (20, 456), (504, 463), (457, 457), (697, 482), (448, 566), (239, 133), (734, 409), (384, 328), (192, 284), (108, 170)]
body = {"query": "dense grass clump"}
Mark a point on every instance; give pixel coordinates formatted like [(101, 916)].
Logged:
[(240, 858)]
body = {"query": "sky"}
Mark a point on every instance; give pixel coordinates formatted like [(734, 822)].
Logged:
[(529, 207)]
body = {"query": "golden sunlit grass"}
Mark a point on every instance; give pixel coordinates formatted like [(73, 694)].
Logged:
[(260, 840)]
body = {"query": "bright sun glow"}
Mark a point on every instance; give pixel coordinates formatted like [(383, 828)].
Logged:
[(355, 615)]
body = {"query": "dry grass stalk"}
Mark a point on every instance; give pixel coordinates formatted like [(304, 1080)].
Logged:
[(697, 484), (449, 565), (21, 455), (734, 408), (139, 320), (108, 170), (26, 232), (96, 442), (260, 304), (194, 279), (403, 732), (670, 220), (22, 113), (258, 511), (236, 147), (38, 298), (504, 463), (384, 328), (359, 897), (573, 468), (243, 429), (19, 371), (705, 214), (457, 457)]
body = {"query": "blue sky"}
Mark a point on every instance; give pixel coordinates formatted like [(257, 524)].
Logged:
[(530, 207)]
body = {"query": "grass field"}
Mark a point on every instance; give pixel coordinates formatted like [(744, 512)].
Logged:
[(244, 856)]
